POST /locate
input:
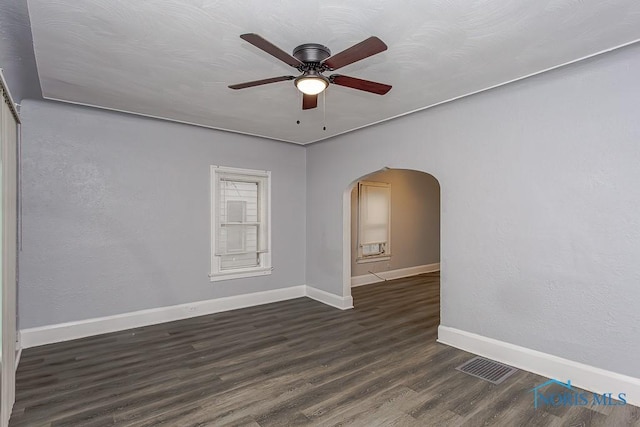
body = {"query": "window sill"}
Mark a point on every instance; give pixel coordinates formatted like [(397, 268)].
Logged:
[(373, 259), (218, 277)]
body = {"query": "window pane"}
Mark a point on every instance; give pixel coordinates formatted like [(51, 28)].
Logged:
[(238, 206), (240, 209), (235, 239), (236, 193), (236, 210)]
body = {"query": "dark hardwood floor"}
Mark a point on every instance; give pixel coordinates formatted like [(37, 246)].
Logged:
[(296, 362)]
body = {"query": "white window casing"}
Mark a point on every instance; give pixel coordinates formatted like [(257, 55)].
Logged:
[(374, 221), (240, 223)]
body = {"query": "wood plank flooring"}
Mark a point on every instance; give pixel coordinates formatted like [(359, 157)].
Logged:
[(297, 362)]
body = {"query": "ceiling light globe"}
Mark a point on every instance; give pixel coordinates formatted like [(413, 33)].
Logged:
[(311, 85)]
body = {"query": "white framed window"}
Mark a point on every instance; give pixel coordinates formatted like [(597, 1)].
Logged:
[(240, 223), (374, 221)]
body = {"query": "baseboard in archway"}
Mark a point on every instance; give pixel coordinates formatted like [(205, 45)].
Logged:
[(368, 279)]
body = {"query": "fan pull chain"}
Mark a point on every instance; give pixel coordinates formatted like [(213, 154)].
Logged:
[(324, 110)]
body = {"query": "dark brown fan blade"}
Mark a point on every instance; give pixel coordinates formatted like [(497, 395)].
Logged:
[(309, 101), (261, 82), (362, 50), (271, 49), (366, 85)]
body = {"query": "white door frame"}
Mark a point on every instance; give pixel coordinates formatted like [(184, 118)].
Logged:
[(8, 153)]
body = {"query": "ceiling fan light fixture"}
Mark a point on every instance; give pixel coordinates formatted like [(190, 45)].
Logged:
[(311, 83), (313, 59)]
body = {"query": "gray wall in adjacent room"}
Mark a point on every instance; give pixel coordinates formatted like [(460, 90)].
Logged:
[(540, 210), (116, 212), (415, 221)]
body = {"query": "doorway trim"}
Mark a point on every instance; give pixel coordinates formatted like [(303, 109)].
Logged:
[(9, 187)]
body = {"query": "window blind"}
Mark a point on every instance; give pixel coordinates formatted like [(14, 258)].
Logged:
[(374, 213)]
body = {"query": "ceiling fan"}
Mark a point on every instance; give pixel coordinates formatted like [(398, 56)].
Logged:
[(313, 59)]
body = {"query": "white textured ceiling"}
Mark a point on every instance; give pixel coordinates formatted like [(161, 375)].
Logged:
[(174, 58)]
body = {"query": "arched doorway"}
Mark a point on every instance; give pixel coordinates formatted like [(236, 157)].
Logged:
[(413, 244)]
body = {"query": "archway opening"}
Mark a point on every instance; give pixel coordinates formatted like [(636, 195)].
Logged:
[(391, 236)]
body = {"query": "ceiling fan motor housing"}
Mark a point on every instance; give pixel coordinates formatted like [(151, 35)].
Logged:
[(311, 53)]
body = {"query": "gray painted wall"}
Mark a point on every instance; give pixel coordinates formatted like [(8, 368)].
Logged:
[(415, 221), (540, 207), (116, 212), (16, 51)]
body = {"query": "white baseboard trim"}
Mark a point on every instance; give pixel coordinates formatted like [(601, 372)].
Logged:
[(368, 279), (343, 303), (42, 335), (49, 334), (583, 376)]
